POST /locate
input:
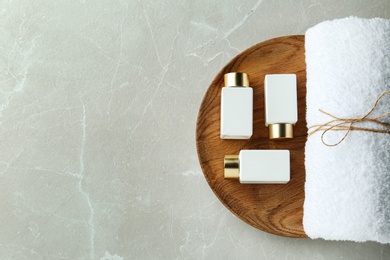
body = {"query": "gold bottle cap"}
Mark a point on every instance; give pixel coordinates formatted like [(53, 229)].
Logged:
[(281, 131), (231, 167), (236, 79)]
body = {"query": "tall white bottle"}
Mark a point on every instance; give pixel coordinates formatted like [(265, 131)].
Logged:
[(258, 166), (281, 108), (236, 107)]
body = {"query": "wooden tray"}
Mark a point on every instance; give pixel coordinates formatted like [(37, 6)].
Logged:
[(277, 209)]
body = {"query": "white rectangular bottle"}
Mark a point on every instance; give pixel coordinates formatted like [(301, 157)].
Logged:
[(281, 108), (258, 166), (236, 107)]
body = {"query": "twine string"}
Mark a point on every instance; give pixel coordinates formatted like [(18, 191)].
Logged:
[(348, 124)]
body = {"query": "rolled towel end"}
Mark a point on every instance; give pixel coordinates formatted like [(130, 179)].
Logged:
[(347, 189)]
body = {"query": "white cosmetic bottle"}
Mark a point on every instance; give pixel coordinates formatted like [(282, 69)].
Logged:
[(258, 166), (236, 107), (281, 108)]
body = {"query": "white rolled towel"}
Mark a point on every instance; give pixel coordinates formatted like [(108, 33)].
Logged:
[(347, 189)]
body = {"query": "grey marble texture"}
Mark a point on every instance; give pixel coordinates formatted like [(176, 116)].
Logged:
[(98, 105)]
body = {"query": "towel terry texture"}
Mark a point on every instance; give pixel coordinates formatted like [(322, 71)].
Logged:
[(347, 189)]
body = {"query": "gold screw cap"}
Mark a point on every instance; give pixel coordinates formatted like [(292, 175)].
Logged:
[(236, 79), (231, 167), (281, 131)]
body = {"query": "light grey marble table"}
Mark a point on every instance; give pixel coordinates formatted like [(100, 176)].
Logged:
[(98, 107)]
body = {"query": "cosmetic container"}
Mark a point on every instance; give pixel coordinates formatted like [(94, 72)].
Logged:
[(258, 166), (281, 108), (236, 107)]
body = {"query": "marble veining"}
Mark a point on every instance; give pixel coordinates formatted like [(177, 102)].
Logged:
[(98, 104)]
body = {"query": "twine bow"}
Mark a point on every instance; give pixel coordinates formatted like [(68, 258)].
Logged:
[(347, 124)]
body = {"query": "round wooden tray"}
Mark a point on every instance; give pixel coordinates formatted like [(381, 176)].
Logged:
[(277, 209)]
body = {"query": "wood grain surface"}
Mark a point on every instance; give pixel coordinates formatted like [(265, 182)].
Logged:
[(277, 209)]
